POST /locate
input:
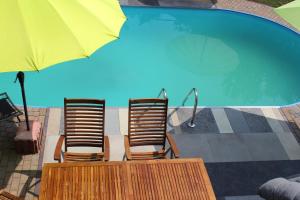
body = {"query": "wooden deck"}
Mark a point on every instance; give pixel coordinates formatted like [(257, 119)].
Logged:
[(155, 179), (292, 114)]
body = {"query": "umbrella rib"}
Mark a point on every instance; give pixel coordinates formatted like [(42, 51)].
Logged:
[(79, 44), (102, 23), (84, 52), (28, 36)]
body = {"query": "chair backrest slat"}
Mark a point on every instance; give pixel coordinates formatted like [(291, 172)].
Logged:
[(84, 122), (147, 121)]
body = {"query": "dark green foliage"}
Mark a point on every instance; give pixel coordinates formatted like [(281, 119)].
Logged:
[(273, 3)]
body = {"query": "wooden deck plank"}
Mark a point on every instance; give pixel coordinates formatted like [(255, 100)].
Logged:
[(153, 179), (292, 114)]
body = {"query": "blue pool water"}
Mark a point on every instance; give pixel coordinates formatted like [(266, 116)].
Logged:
[(232, 58)]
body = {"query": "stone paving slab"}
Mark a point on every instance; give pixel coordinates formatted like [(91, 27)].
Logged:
[(244, 178), (246, 197), (231, 147), (237, 120), (204, 4), (54, 121), (222, 120), (256, 120), (204, 120), (273, 120), (111, 116)]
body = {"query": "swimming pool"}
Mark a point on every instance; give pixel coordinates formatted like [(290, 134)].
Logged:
[(232, 58)]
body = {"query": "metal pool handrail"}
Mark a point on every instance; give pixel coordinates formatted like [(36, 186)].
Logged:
[(195, 92), (163, 92)]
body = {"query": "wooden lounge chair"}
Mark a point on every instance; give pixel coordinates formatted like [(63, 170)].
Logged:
[(147, 125), (7, 196), (84, 127), (7, 108)]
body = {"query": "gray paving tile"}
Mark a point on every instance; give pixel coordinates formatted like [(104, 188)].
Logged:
[(256, 120), (204, 120), (231, 147), (173, 123), (222, 120), (112, 124), (193, 146), (116, 147), (286, 138), (169, 3), (237, 120), (290, 144), (187, 3), (273, 121), (54, 121), (282, 120), (50, 144), (250, 197), (233, 179), (264, 147), (228, 148)]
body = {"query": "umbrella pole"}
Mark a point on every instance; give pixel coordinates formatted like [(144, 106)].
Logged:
[(21, 78)]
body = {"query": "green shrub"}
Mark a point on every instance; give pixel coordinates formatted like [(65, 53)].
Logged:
[(273, 3)]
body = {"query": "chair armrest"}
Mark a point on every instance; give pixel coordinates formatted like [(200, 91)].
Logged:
[(173, 145), (57, 152), (127, 148), (106, 148)]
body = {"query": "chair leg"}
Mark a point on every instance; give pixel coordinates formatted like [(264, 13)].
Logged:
[(124, 158)]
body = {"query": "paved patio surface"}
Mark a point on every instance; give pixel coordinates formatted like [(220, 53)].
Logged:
[(18, 173), (240, 140), (244, 142)]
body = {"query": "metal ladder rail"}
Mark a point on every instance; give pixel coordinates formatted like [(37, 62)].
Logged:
[(195, 92), (163, 92)]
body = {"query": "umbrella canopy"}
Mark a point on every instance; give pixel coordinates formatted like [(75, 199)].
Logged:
[(291, 13), (36, 34)]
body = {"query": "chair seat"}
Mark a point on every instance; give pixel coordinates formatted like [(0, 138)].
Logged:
[(7, 196), (83, 157), (148, 155)]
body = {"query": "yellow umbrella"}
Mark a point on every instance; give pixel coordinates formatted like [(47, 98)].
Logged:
[(36, 34), (291, 13)]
